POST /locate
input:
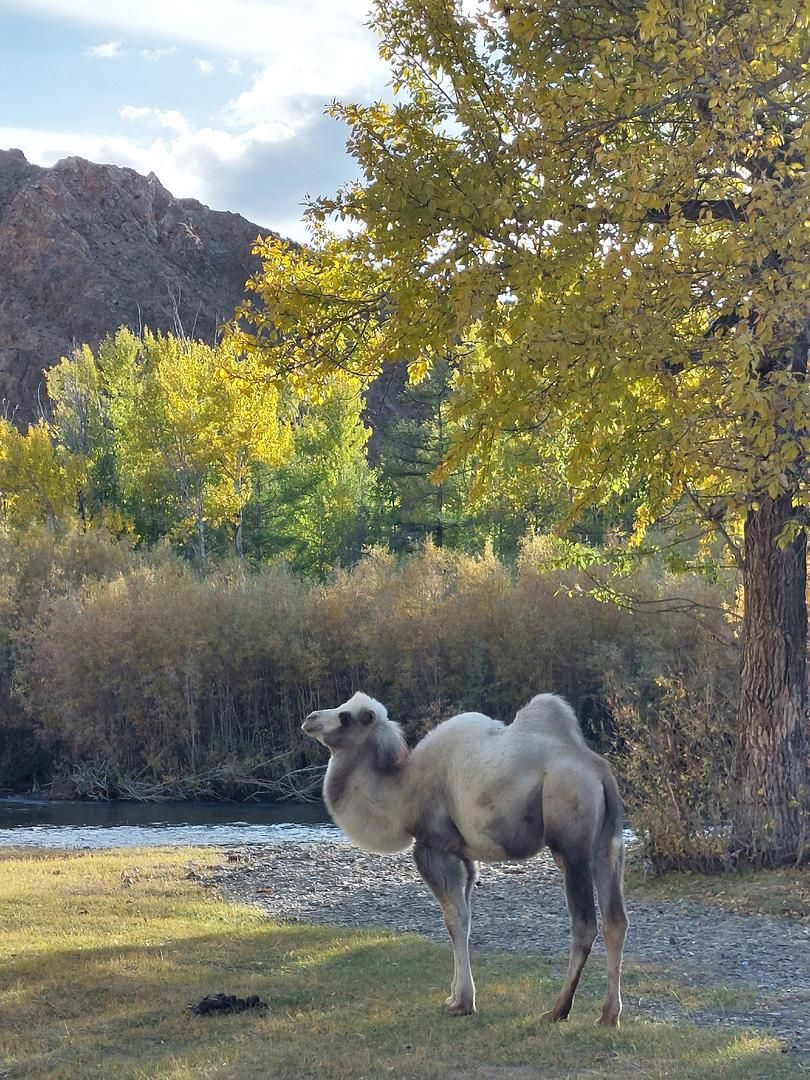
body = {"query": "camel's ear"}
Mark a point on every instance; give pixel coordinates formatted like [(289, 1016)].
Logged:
[(367, 716)]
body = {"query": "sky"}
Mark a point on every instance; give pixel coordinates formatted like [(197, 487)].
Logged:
[(222, 99)]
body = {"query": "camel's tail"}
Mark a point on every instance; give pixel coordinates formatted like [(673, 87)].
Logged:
[(613, 823)]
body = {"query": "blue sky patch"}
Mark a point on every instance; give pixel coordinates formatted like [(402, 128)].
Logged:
[(227, 108)]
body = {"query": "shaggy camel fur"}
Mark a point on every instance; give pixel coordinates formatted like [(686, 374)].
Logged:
[(473, 789)]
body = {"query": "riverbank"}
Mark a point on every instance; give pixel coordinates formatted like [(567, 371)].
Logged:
[(104, 950)]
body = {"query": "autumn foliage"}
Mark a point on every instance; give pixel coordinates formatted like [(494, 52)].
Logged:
[(587, 226), (136, 665), (598, 216)]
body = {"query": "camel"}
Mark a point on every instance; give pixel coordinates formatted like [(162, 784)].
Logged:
[(476, 789)]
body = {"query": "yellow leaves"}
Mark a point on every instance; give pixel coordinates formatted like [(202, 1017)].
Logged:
[(791, 452), (204, 414), (643, 521), (576, 228), (417, 370), (523, 24), (652, 23), (314, 308), (178, 423), (791, 531), (38, 482)]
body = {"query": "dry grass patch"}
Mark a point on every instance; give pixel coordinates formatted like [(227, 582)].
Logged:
[(103, 950), (784, 893)]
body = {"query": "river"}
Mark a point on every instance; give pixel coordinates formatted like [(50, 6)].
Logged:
[(77, 824)]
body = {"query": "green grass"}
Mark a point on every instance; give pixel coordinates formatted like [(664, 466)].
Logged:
[(783, 893), (102, 951)]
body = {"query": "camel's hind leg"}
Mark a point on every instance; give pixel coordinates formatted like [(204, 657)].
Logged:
[(608, 870), (451, 879), (581, 907)]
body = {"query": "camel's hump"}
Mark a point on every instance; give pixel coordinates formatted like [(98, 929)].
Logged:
[(553, 716)]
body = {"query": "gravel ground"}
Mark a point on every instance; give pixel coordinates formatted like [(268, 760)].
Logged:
[(521, 907)]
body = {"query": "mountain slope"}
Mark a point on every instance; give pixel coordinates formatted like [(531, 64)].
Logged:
[(86, 248)]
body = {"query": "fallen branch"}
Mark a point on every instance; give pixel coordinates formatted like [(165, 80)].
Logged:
[(96, 781)]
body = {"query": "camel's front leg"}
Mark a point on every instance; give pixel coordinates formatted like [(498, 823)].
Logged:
[(450, 879)]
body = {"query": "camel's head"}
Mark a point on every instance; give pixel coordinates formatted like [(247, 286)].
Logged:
[(349, 725)]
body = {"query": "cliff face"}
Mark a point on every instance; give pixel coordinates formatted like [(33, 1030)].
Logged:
[(87, 248)]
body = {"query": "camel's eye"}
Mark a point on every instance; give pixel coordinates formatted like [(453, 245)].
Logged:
[(345, 718)]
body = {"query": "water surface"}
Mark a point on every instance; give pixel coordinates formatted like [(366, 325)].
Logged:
[(77, 824)]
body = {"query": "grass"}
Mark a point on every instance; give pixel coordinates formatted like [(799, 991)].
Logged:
[(101, 952), (783, 893)]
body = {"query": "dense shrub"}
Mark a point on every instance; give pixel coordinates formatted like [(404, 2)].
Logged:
[(156, 672), (36, 564), (458, 631), (673, 734)]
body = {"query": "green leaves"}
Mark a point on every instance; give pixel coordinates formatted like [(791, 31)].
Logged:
[(313, 508)]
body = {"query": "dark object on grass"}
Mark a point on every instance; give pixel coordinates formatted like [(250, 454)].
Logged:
[(226, 1003)]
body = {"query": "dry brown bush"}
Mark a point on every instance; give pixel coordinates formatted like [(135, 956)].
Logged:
[(160, 674), (673, 733), (35, 564)]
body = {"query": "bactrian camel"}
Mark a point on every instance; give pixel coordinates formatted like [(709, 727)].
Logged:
[(476, 789)]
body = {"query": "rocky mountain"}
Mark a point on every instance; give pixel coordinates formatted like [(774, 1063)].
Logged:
[(87, 248)]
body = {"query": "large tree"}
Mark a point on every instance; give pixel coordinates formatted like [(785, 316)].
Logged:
[(599, 211)]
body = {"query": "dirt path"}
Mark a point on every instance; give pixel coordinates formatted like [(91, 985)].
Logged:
[(762, 964)]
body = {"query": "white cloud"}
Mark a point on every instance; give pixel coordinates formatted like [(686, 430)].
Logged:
[(307, 52), (109, 50), (157, 155), (271, 143), (152, 56), (250, 29), (170, 119), (300, 82)]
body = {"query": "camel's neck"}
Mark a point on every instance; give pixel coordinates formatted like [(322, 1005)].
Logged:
[(365, 793)]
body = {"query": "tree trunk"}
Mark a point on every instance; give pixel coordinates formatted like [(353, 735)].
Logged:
[(201, 535), (238, 541), (772, 818)]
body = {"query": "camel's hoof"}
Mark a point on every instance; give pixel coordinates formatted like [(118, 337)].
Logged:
[(553, 1017), (459, 1008), (609, 1019)]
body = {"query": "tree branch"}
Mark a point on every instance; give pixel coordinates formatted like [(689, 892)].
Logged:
[(693, 209)]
